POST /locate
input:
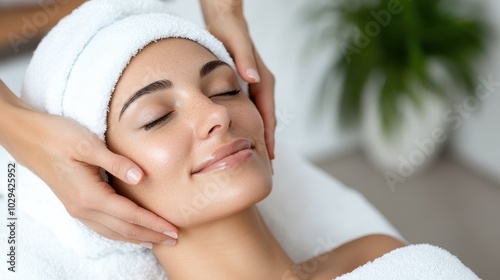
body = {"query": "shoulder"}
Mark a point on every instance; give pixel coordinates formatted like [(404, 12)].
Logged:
[(374, 246), (350, 255)]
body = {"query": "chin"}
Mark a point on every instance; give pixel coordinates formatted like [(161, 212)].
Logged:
[(250, 183), (225, 193)]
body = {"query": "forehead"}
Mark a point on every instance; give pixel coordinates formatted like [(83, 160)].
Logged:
[(170, 58), (171, 55)]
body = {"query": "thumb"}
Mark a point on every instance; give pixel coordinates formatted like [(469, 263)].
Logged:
[(97, 154)]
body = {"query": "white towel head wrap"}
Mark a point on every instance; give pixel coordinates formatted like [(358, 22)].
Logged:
[(75, 68)]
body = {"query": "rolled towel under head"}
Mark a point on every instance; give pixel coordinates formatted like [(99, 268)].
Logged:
[(76, 66), (73, 73)]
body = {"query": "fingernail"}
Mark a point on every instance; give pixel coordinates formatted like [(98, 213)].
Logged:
[(148, 245), (174, 235), (252, 73), (134, 176), (169, 242)]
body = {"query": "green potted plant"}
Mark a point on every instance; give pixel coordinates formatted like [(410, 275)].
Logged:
[(395, 54)]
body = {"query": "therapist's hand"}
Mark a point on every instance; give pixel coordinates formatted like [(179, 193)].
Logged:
[(66, 156), (225, 20)]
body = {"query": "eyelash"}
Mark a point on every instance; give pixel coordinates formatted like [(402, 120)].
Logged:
[(165, 117), (233, 92), (157, 121)]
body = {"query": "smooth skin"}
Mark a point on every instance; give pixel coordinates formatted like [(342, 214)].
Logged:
[(76, 154)]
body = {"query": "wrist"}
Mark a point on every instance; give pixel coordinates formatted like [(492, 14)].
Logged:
[(216, 9), (231, 4), (8, 100), (15, 115)]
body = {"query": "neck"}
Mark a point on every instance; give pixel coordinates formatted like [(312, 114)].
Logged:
[(240, 246)]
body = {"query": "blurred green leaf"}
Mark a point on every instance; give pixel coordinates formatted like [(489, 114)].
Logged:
[(400, 49)]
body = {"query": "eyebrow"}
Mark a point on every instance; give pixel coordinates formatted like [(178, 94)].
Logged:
[(153, 87), (166, 84), (210, 66)]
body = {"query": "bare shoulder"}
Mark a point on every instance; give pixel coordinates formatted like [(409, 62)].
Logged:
[(347, 257)]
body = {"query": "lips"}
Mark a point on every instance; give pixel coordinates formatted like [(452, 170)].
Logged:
[(226, 156)]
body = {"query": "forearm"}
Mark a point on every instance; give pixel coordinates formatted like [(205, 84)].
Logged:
[(15, 116)]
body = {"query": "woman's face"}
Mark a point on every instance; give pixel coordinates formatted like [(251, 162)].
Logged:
[(180, 114)]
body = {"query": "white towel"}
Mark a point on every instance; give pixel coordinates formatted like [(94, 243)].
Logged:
[(413, 262)]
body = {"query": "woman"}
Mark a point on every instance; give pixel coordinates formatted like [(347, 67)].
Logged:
[(165, 94), (183, 128)]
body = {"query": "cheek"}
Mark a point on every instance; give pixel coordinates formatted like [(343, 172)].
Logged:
[(249, 121), (163, 159), (155, 153)]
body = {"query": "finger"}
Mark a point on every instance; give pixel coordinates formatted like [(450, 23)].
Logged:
[(102, 230), (124, 209), (263, 95), (241, 49), (116, 229), (96, 153), (107, 232), (264, 103)]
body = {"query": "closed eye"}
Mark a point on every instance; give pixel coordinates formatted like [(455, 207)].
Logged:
[(157, 121), (233, 92)]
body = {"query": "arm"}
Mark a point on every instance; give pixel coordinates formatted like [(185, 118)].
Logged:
[(225, 20), (29, 136)]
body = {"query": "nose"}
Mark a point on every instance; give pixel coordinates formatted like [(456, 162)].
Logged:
[(212, 118)]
